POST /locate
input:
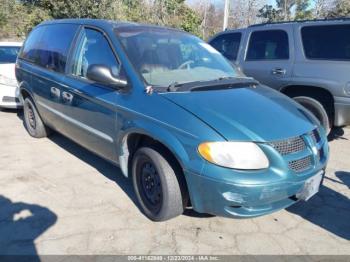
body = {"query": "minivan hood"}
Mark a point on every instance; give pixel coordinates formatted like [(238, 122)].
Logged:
[(246, 114)]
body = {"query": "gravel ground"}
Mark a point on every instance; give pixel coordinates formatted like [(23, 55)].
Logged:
[(57, 198)]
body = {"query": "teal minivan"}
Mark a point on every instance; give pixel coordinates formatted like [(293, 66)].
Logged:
[(187, 127)]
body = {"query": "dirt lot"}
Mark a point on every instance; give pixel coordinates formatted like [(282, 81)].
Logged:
[(57, 198)]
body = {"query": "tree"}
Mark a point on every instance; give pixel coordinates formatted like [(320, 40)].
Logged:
[(287, 10), (175, 13), (341, 9), (320, 8), (270, 13), (302, 10)]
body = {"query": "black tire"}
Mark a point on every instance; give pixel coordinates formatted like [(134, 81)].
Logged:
[(32, 120), (157, 185), (317, 109)]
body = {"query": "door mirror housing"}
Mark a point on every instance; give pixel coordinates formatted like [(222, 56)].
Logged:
[(103, 75)]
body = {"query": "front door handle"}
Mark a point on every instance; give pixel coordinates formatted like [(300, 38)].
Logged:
[(55, 92), (67, 97), (278, 71)]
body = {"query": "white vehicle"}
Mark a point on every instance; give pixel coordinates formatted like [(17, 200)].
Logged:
[(9, 93)]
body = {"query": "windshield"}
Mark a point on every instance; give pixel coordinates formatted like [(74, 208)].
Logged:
[(166, 57), (8, 54)]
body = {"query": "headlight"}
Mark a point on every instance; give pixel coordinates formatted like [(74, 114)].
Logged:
[(4, 80), (237, 155)]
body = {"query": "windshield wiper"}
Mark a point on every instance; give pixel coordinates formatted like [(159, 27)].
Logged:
[(173, 86), (219, 83)]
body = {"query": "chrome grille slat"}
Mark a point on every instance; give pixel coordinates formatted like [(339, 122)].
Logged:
[(289, 146), (296, 145), (300, 165)]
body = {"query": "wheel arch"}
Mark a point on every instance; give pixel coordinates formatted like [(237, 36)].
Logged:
[(175, 153), (324, 96), (135, 138), (25, 91)]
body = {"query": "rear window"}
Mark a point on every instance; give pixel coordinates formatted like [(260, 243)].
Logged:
[(48, 46), (330, 42), (268, 45), (8, 54), (227, 45)]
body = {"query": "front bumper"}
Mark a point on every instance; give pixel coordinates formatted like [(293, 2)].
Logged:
[(342, 111), (243, 200), (249, 193), (9, 97)]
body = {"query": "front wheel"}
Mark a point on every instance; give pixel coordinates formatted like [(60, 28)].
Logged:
[(156, 184), (317, 109)]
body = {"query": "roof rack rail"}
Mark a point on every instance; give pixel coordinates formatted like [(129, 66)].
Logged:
[(303, 21)]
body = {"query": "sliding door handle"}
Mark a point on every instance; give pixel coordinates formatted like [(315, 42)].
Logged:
[(67, 97), (55, 92)]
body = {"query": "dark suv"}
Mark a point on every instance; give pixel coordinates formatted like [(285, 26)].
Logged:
[(173, 113)]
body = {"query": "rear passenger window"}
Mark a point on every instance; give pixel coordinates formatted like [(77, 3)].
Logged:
[(48, 46), (228, 45), (329, 42), (31, 45), (268, 45), (93, 48)]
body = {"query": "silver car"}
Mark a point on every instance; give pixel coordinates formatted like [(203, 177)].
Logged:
[(308, 61)]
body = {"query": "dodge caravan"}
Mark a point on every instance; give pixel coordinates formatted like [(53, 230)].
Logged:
[(188, 128)]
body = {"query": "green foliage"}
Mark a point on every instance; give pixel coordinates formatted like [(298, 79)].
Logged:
[(287, 10), (18, 17), (341, 9), (270, 13), (302, 10), (190, 21)]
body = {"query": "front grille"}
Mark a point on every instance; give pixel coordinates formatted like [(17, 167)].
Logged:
[(300, 165), (315, 136), (289, 146), (10, 99)]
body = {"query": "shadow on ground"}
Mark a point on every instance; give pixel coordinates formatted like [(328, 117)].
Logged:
[(20, 224), (337, 133), (328, 209), (106, 168)]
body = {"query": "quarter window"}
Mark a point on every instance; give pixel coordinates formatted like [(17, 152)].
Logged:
[(268, 45), (228, 45), (329, 42), (31, 46), (93, 48), (48, 46), (55, 46)]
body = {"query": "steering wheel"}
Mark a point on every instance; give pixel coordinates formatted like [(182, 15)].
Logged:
[(186, 65)]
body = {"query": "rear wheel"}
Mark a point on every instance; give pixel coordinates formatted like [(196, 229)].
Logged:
[(157, 185), (317, 109), (32, 120)]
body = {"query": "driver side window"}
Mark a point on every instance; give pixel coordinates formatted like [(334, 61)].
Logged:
[(93, 48)]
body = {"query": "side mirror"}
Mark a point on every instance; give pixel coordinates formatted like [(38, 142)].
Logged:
[(103, 75)]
